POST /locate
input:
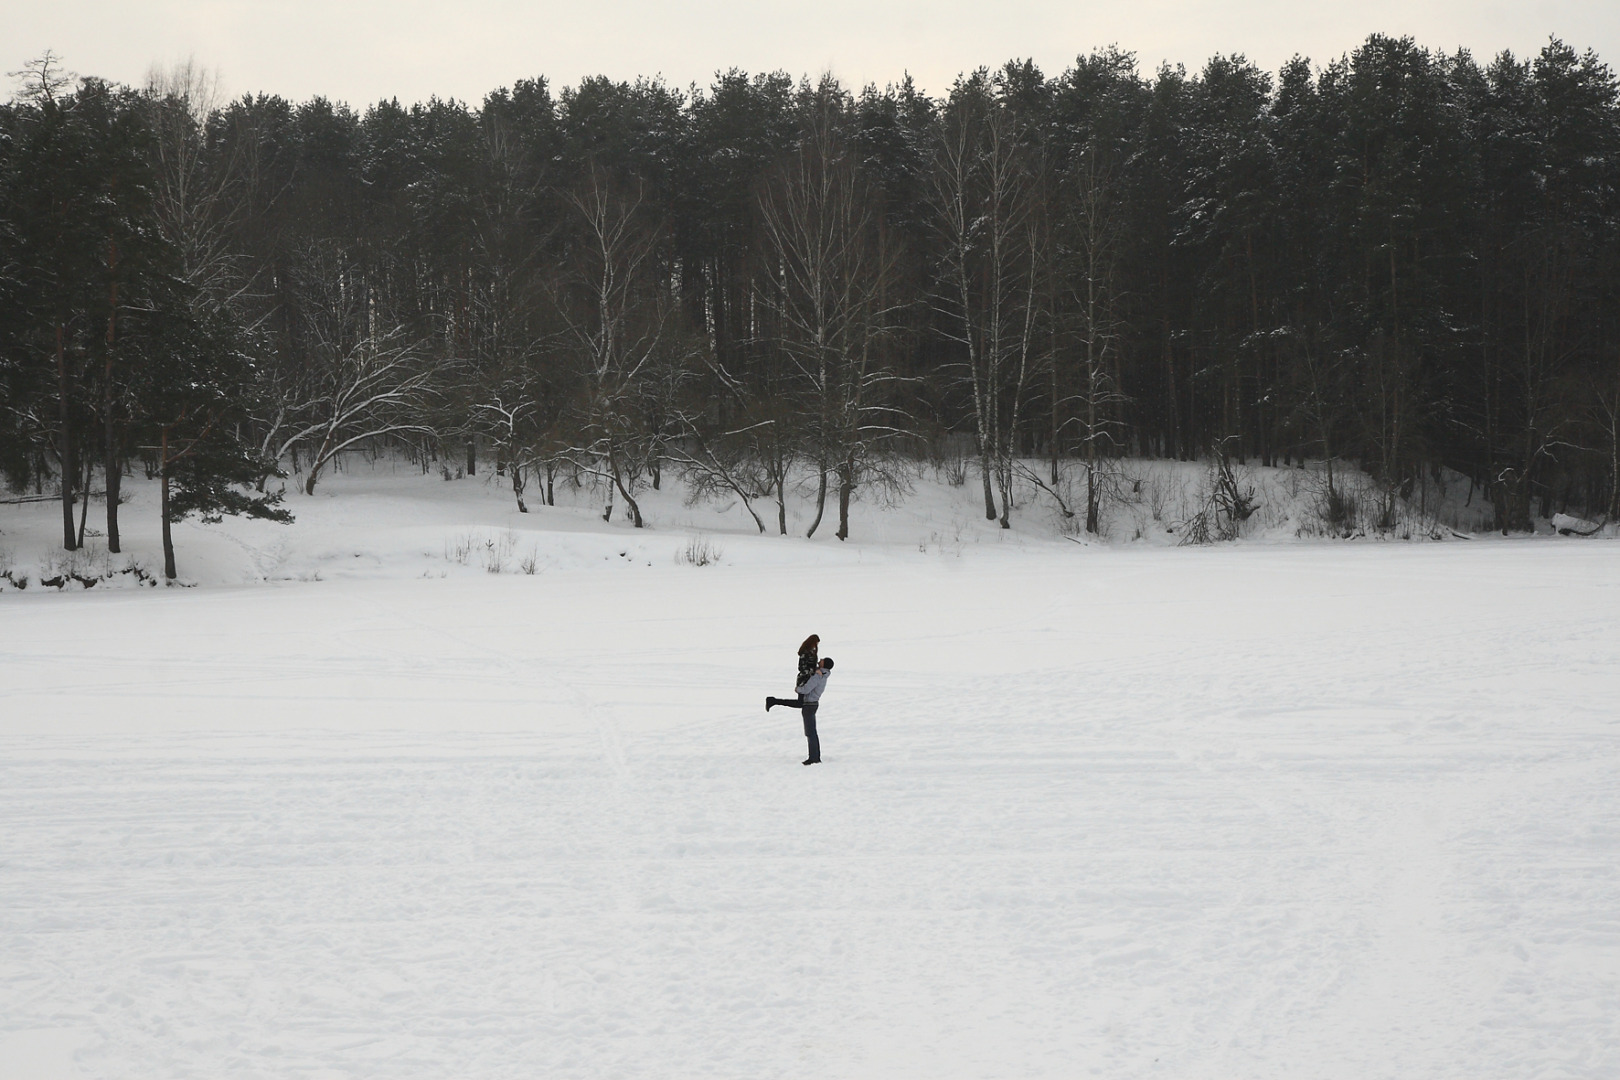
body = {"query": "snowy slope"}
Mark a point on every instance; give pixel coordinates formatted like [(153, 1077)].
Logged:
[(1263, 810), (386, 519)]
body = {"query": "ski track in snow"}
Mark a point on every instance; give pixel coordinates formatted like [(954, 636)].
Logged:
[(1287, 812)]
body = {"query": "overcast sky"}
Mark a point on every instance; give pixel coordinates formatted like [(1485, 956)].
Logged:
[(362, 50)]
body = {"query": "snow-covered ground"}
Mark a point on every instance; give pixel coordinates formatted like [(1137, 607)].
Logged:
[(1267, 810), (387, 518)]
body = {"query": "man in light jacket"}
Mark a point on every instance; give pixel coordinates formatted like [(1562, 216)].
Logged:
[(809, 700)]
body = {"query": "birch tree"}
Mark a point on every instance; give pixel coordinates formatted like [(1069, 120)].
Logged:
[(989, 293), (616, 305), (364, 377), (1091, 242), (832, 266)]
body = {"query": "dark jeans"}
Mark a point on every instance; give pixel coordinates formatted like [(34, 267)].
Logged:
[(809, 708)]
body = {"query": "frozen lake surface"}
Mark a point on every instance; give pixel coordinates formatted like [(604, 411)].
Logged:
[(1267, 811)]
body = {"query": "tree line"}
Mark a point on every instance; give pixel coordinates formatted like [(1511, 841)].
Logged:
[(1403, 260)]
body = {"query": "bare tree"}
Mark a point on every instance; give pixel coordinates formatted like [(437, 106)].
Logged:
[(833, 268), (364, 378), (195, 201), (616, 305), (515, 409), (507, 419), (985, 208), (1092, 240), (753, 424), (376, 388), (1603, 411), (194, 194), (1319, 375), (720, 462)]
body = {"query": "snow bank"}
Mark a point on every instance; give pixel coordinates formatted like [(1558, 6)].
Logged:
[(385, 519)]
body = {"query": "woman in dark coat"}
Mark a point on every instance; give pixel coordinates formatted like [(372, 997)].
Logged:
[(807, 659), (809, 666)]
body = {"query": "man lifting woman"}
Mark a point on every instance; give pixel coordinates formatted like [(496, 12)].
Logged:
[(809, 683)]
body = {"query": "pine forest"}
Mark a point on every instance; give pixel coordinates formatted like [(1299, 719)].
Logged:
[(1403, 260)]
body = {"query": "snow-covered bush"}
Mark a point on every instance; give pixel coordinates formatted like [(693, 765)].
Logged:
[(700, 551), (1226, 503), (498, 552), (459, 550)]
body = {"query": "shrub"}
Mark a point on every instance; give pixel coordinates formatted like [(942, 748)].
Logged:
[(700, 551)]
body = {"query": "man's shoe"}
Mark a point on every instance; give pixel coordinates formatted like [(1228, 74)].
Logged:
[(768, 703), (811, 761)]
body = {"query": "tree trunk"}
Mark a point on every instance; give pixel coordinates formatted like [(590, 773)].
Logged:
[(1093, 500), (629, 500), (846, 485), (112, 465), (64, 446), (316, 463), (115, 483), (984, 474), (1614, 463), (472, 456), (169, 571), (84, 506), (517, 486), (1004, 481), (1057, 424), (781, 501), (821, 503)]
